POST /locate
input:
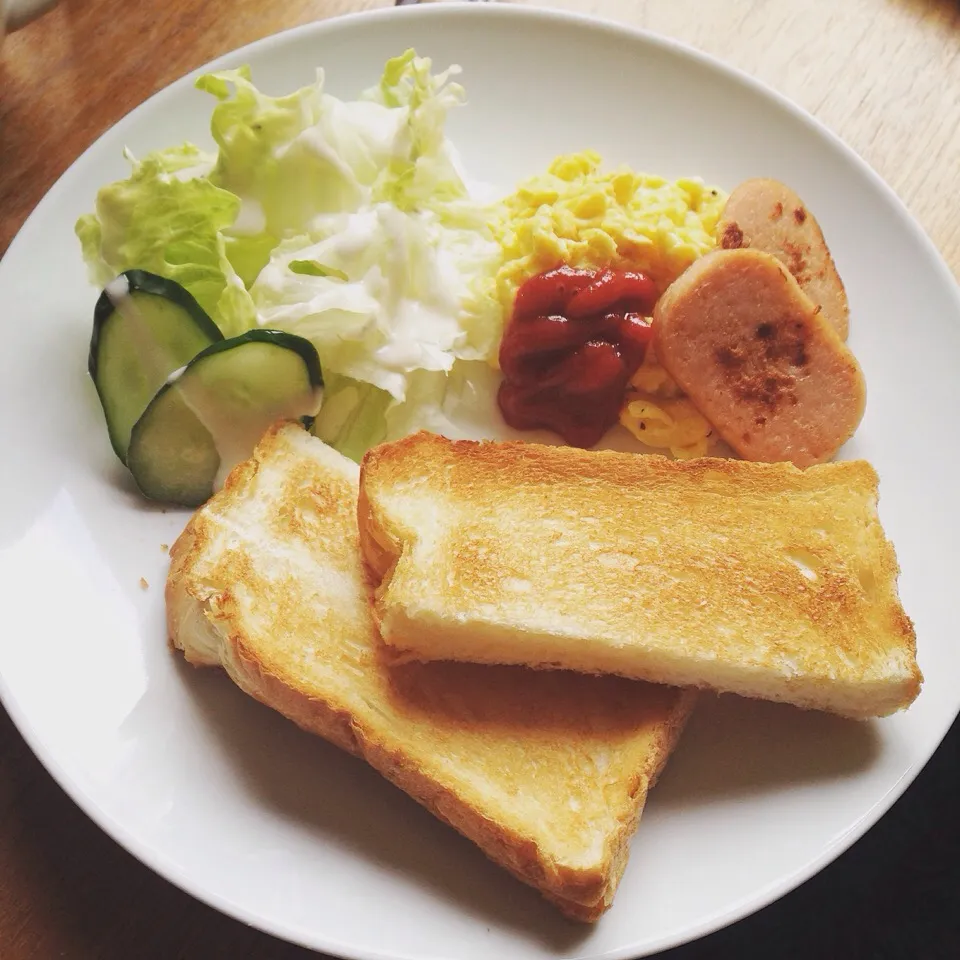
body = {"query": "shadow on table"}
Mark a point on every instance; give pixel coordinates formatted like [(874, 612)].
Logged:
[(68, 890), (945, 8)]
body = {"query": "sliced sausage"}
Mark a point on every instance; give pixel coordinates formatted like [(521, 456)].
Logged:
[(757, 358), (767, 215)]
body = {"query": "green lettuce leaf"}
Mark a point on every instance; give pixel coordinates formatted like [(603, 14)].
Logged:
[(352, 416), (275, 153), (161, 219), (422, 173), (347, 222)]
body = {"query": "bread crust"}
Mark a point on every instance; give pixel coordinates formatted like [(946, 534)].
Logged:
[(192, 596), (725, 598)]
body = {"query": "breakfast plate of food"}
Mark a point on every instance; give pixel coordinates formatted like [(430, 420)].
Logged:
[(540, 428)]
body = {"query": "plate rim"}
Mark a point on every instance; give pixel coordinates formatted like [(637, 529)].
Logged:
[(153, 857)]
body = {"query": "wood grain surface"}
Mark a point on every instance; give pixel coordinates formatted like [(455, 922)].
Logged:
[(883, 74)]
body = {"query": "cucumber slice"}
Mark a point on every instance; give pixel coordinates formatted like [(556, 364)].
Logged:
[(144, 328), (210, 415)]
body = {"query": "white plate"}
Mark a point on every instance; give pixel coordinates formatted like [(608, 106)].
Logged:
[(281, 830)]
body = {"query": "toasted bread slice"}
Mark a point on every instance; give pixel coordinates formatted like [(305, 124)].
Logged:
[(752, 352), (758, 579), (546, 772), (767, 215)]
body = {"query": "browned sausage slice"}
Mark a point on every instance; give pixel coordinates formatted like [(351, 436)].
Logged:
[(758, 360), (767, 215)]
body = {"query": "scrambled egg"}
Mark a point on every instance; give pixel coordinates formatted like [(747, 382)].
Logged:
[(576, 215)]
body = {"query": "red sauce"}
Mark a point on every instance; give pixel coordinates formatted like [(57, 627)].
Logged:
[(575, 340)]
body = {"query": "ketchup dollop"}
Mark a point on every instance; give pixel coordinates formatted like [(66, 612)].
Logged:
[(575, 339)]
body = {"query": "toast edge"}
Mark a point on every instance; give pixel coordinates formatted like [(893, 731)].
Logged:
[(382, 546), (380, 550), (580, 894)]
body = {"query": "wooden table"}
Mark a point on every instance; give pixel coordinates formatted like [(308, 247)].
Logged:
[(884, 74)]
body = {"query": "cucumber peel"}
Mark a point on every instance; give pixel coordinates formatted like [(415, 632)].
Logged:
[(210, 414), (144, 328)]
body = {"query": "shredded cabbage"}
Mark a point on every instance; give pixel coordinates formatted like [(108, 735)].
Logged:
[(346, 222)]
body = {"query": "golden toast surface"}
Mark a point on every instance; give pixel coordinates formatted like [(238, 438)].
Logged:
[(546, 771), (759, 579)]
